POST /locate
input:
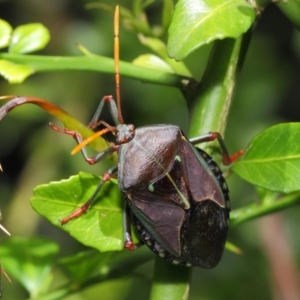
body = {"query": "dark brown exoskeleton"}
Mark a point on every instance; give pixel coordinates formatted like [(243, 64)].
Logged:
[(175, 192)]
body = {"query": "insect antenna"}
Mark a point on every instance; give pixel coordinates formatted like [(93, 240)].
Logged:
[(117, 60), (91, 138), (117, 81)]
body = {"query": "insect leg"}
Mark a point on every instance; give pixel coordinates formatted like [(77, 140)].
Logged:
[(78, 212), (90, 160), (112, 109), (128, 242), (211, 136)]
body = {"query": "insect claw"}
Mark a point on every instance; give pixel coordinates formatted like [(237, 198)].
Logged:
[(129, 245), (236, 155)]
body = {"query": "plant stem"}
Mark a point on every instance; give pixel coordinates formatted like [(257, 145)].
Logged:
[(94, 63), (210, 112), (253, 210), (213, 99), (170, 281)]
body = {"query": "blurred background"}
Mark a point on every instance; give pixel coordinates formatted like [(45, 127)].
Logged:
[(267, 92)]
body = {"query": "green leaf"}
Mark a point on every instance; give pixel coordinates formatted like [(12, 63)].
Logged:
[(272, 159), (199, 22), (153, 62), (29, 38), (29, 260), (159, 48), (100, 227), (90, 267), (14, 73), (167, 13), (5, 33), (81, 266)]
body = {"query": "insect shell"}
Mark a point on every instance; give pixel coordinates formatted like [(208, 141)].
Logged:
[(177, 194)]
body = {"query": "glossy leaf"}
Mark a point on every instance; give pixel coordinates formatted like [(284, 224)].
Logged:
[(29, 260), (152, 61), (272, 159), (167, 13), (100, 227), (29, 38), (14, 73), (5, 33), (159, 48), (199, 22)]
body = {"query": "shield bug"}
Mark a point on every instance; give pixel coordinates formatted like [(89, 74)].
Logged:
[(175, 193)]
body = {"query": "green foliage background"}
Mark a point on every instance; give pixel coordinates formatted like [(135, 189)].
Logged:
[(267, 93)]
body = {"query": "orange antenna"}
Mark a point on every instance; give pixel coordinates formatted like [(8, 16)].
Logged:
[(117, 80), (117, 59), (91, 138)]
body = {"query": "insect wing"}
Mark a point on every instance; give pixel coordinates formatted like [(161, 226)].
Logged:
[(161, 219), (205, 228), (202, 179)]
